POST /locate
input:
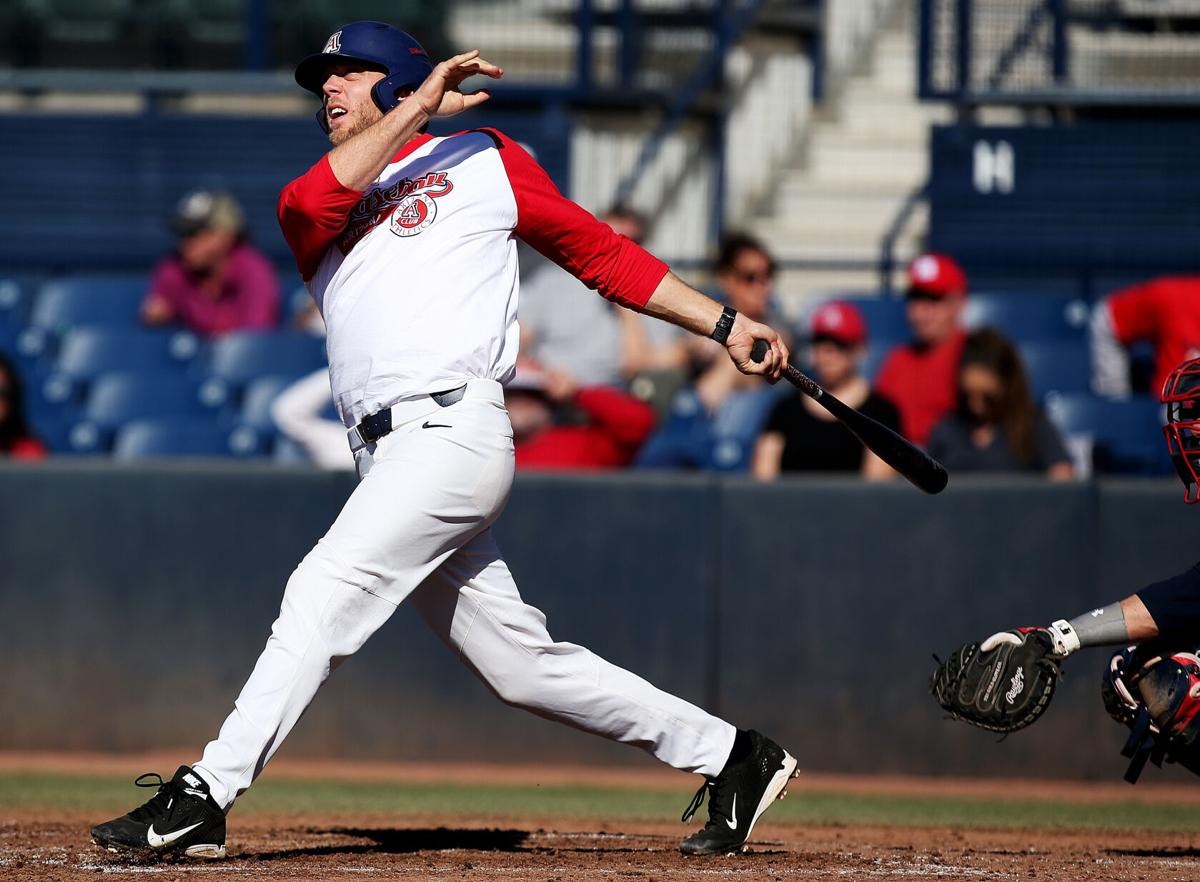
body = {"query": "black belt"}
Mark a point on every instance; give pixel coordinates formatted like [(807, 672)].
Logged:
[(378, 424)]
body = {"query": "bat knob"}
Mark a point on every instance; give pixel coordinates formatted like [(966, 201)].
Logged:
[(759, 351)]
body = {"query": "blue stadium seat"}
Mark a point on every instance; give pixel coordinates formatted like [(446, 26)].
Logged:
[(117, 398), (241, 356), (1028, 318), (190, 437), (14, 303), (89, 300), (886, 319), (260, 394), (88, 352), (1126, 435), (1062, 366)]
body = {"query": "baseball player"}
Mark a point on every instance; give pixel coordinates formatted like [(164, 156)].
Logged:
[(406, 242), (1153, 686)]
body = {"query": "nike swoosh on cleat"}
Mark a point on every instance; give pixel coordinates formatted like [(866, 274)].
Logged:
[(732, 822), (155, 840), (428, 425)]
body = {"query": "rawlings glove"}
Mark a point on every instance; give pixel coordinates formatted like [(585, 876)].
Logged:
[(1004, 687)]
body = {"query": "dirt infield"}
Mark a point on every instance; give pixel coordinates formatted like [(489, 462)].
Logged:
[(50, 841), (264, 848)]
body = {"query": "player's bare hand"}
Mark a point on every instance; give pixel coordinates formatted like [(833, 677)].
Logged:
[(741, 342), (439, 95)]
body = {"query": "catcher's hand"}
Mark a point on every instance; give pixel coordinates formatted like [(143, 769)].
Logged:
[(1004, 688)]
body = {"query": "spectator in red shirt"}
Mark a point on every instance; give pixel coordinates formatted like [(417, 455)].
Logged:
[(614, 424), (920, 377), (1163, 311), (16, 441), (215, 281)]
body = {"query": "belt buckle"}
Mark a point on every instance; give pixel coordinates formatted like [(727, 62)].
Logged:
[(375, 426), (450, 396)]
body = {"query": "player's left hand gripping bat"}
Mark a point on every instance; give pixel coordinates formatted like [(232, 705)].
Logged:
[(915, 464)]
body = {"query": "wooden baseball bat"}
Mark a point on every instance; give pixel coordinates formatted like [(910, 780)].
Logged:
[(909, 460)]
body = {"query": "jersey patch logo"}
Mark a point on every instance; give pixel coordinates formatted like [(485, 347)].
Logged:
[(408, 203)]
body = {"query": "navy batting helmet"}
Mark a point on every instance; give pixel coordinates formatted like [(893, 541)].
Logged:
[(380, 46)]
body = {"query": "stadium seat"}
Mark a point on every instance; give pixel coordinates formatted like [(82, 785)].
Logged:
[(191, 437), (260, 394), (14, 303), (1057, 366), (241, 356), (886, 319), (1125, 435), (88, 352), (1028, 318), (89, 300), (117, 398)]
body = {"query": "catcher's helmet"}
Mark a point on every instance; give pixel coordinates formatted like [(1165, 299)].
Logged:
[(1181, 394), (382, 47)]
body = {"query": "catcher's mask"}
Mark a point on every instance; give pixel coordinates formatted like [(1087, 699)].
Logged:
[(380, 47), (1181, 394)]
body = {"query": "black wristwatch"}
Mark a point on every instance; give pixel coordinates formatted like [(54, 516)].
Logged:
[(724, 325)]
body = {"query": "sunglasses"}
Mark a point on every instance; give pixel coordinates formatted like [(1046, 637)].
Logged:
[(753, 277)]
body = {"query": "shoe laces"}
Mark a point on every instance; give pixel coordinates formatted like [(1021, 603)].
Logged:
[(716, 788), (156, 806)]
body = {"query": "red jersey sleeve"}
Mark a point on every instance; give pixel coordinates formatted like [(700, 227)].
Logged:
[(1135, 312), (312, 212), (588, 249)]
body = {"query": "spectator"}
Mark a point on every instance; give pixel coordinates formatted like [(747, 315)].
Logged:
[(613, 428), (564, 328), (216, 281), (919, 376), (1164, 311), (714, 422), (803, 436), (997, 427), (16, 441)]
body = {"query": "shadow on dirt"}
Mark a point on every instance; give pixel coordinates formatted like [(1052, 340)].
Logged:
[(385, 841), (1154, 852)]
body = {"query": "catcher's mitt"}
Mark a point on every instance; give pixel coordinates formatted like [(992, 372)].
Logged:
[(1002, 690)]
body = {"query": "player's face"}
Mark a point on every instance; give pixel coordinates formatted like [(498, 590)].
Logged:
[(349, 107), (934, 319), (748, 283), (834, 363)]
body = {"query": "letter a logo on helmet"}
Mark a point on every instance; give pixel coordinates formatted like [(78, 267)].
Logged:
[(376, 46)]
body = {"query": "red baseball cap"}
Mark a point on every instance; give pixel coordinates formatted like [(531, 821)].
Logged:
[(839, 321), (937, 274)]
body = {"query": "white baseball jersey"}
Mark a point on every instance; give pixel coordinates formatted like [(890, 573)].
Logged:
[(416, 277)]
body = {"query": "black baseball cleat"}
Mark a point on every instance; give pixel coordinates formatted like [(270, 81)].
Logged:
[(739, 795), (181, 818)]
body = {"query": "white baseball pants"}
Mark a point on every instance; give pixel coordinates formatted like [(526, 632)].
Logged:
[(416, 528)]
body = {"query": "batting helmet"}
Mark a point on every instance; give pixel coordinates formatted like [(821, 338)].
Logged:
[(1181, 395), (378, 45)]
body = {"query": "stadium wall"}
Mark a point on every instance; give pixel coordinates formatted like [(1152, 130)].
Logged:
[(134, 600)]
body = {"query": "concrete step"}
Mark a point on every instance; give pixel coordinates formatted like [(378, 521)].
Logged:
[(890, 164), (844, 136), (796, 185), (787, 246), (864, 209)]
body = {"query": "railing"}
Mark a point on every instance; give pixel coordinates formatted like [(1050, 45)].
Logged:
[(1059, 52)]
